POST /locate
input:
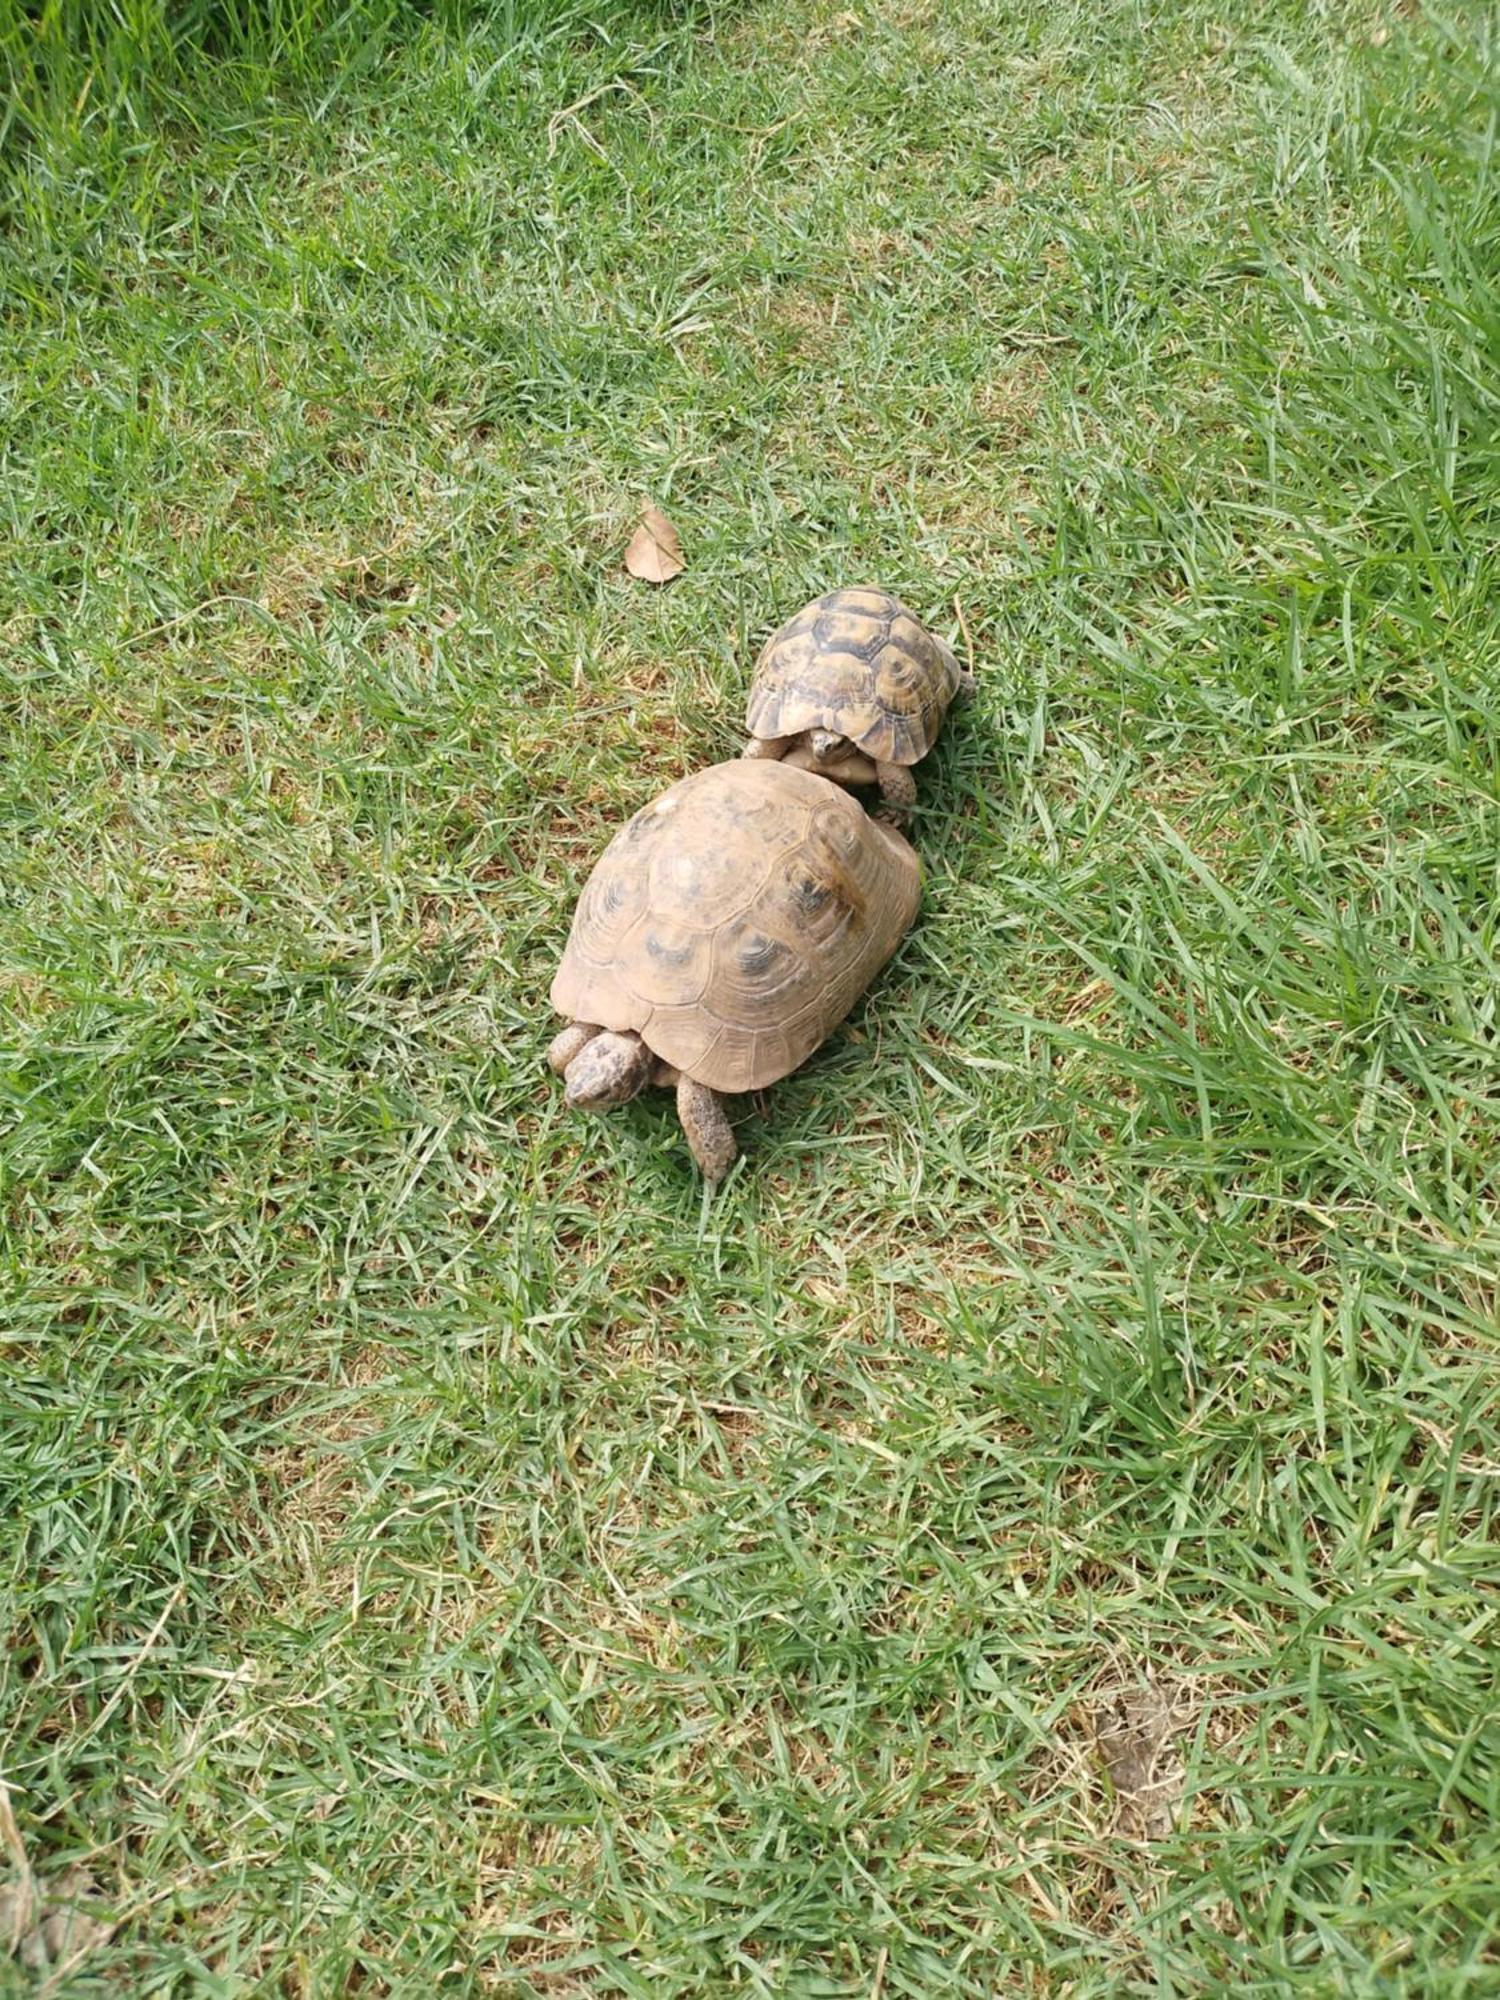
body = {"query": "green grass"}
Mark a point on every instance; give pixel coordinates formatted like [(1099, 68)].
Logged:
[(444, 1551)]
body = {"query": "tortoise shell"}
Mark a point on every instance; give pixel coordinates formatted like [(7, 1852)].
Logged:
[(858, 662), (734, 921)]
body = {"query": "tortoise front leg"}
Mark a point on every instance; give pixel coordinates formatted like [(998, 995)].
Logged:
[(897, 785), (768, 746), (566, 1045), (706, 1128)]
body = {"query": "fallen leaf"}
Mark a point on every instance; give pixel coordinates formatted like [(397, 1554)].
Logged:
[(17, 1902), (654, 553), (1135, 1735), (56, 1924)]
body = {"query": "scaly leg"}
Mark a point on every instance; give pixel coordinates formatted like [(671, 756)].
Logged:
[(708, 1131), (566, 1045), (768, 746), (897, 785)]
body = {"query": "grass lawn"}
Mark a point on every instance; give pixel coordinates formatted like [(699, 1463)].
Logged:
[(442, 1550)]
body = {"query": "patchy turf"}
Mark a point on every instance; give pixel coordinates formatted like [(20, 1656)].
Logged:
[(1034, 1532)]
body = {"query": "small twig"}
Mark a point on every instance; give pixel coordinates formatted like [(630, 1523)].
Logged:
[(138, 1661), (569, 115), (10, 1833), (880, 1965), (963, 626), (1475, 1467), (749, 131), (1049, 1909), (15, 1847)]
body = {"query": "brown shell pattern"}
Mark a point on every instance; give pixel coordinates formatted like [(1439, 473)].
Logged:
[(735, 921), (859, 662)]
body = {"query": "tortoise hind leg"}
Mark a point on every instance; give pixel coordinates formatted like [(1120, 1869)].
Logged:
[(706, 1128), (897, 785), (768, 746)]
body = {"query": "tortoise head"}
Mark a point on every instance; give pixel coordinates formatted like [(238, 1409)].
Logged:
[(608, 1070), (828, 746)]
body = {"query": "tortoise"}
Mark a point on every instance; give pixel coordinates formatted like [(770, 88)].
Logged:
[(854, 688), (725, 931)]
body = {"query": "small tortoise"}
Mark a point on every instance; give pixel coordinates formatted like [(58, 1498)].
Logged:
[(854, 688), (725, 931)]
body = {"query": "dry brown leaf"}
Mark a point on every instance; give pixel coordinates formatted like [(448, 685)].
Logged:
[(53, 1926), (654, 553), (18, 1900), (1135, 1733)]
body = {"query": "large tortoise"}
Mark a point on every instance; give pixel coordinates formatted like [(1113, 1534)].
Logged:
[(855, 688), (725, 931)]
